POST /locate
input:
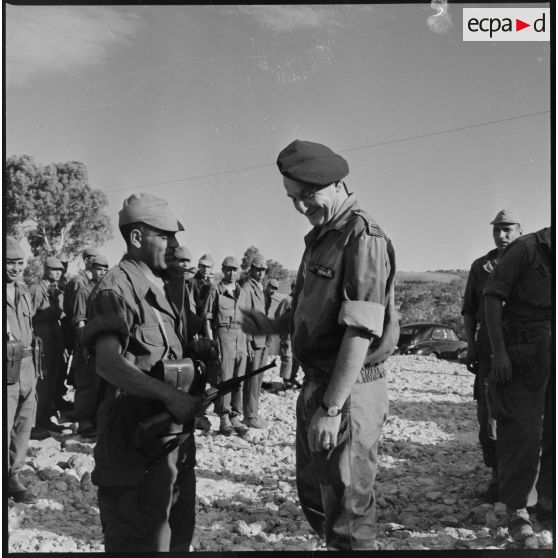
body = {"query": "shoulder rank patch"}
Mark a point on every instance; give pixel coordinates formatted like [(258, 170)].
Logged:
[(372, 228), (321, 271)]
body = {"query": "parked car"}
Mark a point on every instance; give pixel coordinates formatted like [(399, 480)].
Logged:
[(431, 339)]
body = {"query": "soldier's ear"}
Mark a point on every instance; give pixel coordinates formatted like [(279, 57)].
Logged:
[(136, 235)]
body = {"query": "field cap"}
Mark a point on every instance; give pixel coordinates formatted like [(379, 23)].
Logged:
[(505, 216), (259, 262), (273, 283), (13, 249), (53, 263), (91, 252), (312, 163), (206, 259), (63, 258), (182, 253), (145, 208), (230, 261), (100, 260)]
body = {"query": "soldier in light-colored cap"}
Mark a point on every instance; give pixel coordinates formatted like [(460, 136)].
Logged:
[(505, 217), (90, 252), (230, 261), (136, 318), (505, 229)]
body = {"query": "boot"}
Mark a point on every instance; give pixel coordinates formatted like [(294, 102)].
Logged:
[(519, 525), (225, 426), (237, 425), (18, 493)]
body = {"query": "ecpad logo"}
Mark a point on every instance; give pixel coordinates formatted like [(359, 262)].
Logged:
[(506, 24)]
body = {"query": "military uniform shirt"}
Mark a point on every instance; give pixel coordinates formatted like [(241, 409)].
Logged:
[(224, 308), (523, 277), (473, 301), (18, 314), (344, 280), (46, 298)]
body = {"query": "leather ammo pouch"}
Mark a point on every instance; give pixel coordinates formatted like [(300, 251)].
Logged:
[(14, 356), (183, 374), (524, 358)]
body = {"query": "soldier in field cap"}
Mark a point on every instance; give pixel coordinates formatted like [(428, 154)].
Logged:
[(505, 229), (19, 370), (202, 281), (343, 327), (46, 297), (136, 316)]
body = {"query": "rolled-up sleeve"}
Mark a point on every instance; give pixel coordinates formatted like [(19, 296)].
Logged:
[(366, 273), (108, 313), (510, 266)]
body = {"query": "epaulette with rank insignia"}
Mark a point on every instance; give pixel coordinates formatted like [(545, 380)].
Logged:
[(372, 228)]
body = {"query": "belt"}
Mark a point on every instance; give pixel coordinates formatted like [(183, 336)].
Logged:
[(27, 352), (234, 325), (368, 373)]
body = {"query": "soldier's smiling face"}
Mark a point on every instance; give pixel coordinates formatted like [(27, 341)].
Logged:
[(317, 205), (13, 269)]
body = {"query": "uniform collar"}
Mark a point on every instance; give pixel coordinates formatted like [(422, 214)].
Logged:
[(338, 221), (138, 273)]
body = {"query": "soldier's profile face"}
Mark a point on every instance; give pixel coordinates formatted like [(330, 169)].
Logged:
[(157, 248), (504, 234), (13, 269), (317, 205)]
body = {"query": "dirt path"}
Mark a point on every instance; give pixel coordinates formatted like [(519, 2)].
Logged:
[(428, 488)]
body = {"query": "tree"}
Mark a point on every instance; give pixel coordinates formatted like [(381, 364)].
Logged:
[(275, 270), (55, 207), (249, 257)]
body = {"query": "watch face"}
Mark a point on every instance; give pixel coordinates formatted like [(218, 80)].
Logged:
[(333, 411)]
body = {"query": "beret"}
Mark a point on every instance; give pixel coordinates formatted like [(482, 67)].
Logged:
[(259, 262), (13, 249), (148, 209), (505, 216), (206, 259), (230, 261), (312, 163), (273, 283), (91, 252), (100, 260), (53, 263), (182, 253)]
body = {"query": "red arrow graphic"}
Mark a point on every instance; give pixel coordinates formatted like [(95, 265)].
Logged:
[(519, 25)]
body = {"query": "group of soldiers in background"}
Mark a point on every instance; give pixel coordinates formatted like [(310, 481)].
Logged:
[(507, 312), (150, 309)]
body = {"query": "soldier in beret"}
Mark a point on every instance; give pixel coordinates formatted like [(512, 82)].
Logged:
[(223, 318), (136, 316), (86, 381), (343, 327), (505, 229), (46, 297), (19, 370)]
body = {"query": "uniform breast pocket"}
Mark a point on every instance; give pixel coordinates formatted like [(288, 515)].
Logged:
[(150, 335)]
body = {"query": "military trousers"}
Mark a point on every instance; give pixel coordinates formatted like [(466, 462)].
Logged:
[(159, 514), (486, 420), (50, 388), (253, 386), (86, 382), (519, 406), (336, 489), (232, 342), (289, 364), (21, 402)]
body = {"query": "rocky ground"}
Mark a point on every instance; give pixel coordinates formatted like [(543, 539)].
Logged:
[(429, 483)]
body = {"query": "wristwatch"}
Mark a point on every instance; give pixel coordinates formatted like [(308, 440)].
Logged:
[(332, 411)]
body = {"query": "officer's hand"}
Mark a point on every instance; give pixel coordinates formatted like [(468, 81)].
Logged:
[(501, 368), (323, 431), (254, 322), (471, 359), (183, 406)]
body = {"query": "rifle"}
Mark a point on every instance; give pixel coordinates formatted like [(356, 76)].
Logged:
[(157, 427)]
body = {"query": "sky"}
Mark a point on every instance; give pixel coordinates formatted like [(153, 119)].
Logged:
[(194, 103)]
